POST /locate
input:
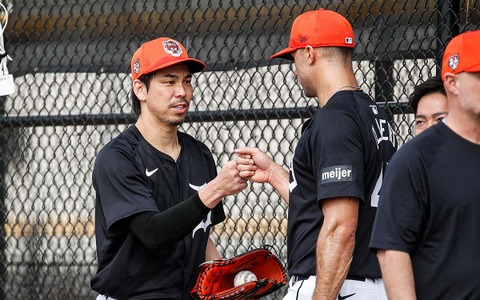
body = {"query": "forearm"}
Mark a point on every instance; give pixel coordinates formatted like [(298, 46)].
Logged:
[(156, 229), (211, 194), (397, 273), (334, 255), (279, 180)]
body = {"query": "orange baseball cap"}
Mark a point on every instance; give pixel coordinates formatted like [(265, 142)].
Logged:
[(161, 53), (318, 28), (462, 54)]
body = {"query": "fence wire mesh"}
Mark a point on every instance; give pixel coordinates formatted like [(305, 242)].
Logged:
[(70, 61)]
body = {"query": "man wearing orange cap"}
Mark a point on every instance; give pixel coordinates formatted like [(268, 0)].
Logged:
[(336, 171), (157, 189), (426, 233)]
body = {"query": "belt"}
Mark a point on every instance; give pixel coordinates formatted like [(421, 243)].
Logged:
[(357, 278), (296, 278)]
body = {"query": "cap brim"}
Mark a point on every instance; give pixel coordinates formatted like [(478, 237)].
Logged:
[(473, 69), (285, 54), (193, 64)]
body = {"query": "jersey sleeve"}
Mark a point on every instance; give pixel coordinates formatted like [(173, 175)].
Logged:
[(119, 186), (403, 203), (338, 163)]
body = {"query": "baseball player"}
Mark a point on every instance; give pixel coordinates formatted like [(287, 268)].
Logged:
[(336, 171), (157, 189), (427, 230), (429, 103)]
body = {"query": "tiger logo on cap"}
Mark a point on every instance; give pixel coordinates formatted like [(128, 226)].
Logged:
[(453, 61), (172, 48)]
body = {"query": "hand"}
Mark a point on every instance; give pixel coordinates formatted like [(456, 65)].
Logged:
[(228, 182), (254, 165)]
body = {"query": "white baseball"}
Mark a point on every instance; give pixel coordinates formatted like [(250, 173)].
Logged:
[(243, 277)]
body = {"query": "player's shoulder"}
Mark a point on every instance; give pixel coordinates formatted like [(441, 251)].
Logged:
[(351, 103), (192, 143), (432, 138), (122, 145), (187, 138), (422, 148)]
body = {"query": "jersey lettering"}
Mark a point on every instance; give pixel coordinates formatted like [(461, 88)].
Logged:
[(292, 184), (382, 131), (376, 190)]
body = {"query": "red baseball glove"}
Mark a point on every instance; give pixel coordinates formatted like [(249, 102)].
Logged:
[(215, 280)]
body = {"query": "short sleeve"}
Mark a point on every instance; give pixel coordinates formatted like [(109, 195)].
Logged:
[(120, 188), (339, 161)]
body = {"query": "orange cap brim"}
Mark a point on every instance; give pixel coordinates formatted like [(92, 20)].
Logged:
[(195, 65)]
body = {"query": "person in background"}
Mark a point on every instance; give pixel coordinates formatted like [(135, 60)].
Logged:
[(429, 103), (426, 232), (336, 171), (157, 189)]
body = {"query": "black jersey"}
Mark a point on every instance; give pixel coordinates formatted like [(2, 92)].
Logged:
[(430, 208), (342, 152), (131, 176)]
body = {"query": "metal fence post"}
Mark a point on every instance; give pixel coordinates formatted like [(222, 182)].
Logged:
[(3, 166), (384, 80), (448, 26)]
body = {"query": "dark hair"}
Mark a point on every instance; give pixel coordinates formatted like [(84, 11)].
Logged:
[(145, 78), (430, 86), (345, 52)]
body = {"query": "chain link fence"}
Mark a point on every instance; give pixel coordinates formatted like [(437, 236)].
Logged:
[(70, 61)]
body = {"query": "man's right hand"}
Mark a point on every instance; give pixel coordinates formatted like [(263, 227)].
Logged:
[(256, 166), (228, 182)]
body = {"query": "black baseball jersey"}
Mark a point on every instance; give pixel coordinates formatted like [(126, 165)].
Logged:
[(430, 208), (342, 152), (130, 176)]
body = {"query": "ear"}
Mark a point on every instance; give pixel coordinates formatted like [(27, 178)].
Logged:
[(310, 53), (140, 90), (451, 83)]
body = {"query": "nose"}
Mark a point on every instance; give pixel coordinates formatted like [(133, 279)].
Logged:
[(180, 91)]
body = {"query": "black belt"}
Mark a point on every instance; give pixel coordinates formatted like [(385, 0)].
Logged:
[(357, 278), (300, 277), (297, 278)]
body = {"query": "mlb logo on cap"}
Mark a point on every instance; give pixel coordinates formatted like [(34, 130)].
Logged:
[(318, 28)]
